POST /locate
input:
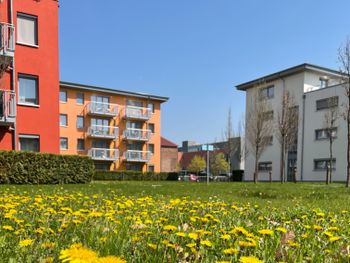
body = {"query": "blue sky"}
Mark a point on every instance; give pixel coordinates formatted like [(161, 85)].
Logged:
[(195, 51)]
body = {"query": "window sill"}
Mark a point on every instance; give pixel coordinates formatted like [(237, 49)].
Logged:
[(64, 126), (27, 45), (63, 149), (64, 102), (28, 105)]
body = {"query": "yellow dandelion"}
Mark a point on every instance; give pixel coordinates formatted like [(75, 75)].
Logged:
[(333, 239), (181, 234), (231, 251), (170, 227), (193, 236), (78, 253), (206, 243), (225, 237), (281, 229), (250, 259), (266, 232), (152, 246), (9, 228), (190, 245), (26, 242)]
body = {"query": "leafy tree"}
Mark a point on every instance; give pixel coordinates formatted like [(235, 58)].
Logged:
[(197, 164), (219, 164)]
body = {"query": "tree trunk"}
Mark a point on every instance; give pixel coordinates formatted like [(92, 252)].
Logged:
[(256, 164), (282, 162), (348, 148), (330, 173), (327, 175)]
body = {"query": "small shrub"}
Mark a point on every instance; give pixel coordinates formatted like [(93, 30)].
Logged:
[(132, 176)]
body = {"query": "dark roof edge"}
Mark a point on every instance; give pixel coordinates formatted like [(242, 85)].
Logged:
[(287, 72), (112, 91)]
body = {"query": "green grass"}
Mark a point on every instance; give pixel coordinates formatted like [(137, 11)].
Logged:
[(329, 197)]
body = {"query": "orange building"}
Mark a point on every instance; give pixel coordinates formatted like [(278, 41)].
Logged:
[(119, 130), (29, 85)]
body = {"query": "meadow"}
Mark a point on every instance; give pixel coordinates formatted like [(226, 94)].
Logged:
[(175, 222)]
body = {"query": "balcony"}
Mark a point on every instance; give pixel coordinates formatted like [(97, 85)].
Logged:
[(101, 154), (137, 156), (103, 132), (137, 134), (102, 109), (137, 113), (7, 42), (7, 107)]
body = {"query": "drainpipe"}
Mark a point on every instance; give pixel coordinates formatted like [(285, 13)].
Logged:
[(13, 82), (302, 141)]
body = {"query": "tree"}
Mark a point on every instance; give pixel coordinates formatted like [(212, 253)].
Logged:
[(197, 164), (344, 63), (219, 164), (258, 125), (241, 134), (230, 147), (287, 128), (331, 116)]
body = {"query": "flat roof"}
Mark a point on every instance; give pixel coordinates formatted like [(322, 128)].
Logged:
[(287, 72), (65, 84)]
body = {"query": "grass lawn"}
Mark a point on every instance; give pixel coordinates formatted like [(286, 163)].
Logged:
[(175, 222)]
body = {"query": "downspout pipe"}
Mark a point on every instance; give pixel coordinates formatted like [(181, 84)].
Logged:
[(13, 80)]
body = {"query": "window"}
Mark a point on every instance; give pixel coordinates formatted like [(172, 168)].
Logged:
[(327, 103), (135, 103), (28, 89), (324, 82), (267, 92), (322, 164), (151, 168), (151, 127), (324, 134), (80, 98), (151, 107), (80, 122), (268, 115), (63, 120), (268, 140), (134, 125), (63, 96), (27, 29), (101, 166), (80, 145), (29, 143), (151, 148), (134, 167), (265, 166), (64, 143)]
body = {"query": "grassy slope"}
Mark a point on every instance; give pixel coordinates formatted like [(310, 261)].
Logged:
[(333, 197)]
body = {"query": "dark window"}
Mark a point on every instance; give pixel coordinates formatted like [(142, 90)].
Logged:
[(80, 145), (80, 122), (151, 168), (63, 120), (151, 147), (151, 107), (267, 92), (63, 96), (101, 166), (321, 164), (268, 140), (151, 127), (28, 89), (327, 103), (64, 143), (265, 166), (268, 115), (324, 134), (80, 98), (27, 29), (135, 103), (29, 143), (134, 167)]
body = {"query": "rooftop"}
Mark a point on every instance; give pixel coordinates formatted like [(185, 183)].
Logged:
[(287, 72), (166, 143), (65, 84)]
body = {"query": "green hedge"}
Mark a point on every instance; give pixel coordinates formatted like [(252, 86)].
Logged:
[(133, 176), (38, 168)]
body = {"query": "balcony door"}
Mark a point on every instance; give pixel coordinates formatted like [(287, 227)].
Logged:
[(100, 126), (101, 103)]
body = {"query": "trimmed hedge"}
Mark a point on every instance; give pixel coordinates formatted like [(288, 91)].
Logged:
[(38, 168), (133, 176)]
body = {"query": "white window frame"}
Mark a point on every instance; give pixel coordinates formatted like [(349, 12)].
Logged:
[(33, 77), (28, 136), (32, 18)]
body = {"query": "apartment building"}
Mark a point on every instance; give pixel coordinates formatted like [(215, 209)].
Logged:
[(29, 84), (315, 90), (119, 130)]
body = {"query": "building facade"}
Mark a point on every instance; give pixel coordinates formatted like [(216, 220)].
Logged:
[(315, 90), (119, 130), (168, 156), (29, 84)]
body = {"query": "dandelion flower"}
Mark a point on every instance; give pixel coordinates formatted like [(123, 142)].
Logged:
[(231, 251), (78, 254), (110, 259), (26, 242), (250, 259), (266, 232)]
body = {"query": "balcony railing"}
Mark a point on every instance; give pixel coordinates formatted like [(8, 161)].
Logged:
[(137, 134), (101, 154), (103, 132), (102, 109), (137, 156), (7, 107), (139, 113), (7, 41)]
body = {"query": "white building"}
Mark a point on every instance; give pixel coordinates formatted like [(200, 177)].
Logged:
[(311, 86)]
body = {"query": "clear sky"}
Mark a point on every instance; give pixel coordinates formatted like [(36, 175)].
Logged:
[(195, 51)]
